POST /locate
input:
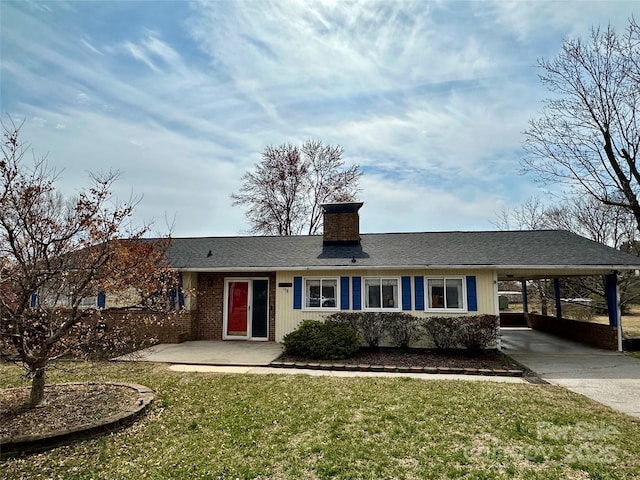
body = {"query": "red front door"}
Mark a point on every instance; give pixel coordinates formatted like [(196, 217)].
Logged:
[(238, 308)]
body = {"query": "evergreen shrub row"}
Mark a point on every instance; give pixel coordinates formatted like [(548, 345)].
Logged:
[(342, 333)]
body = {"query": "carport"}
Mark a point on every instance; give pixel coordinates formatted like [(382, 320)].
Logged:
[(594, 334)]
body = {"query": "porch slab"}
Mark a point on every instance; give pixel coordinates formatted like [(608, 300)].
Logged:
[(202, 352)]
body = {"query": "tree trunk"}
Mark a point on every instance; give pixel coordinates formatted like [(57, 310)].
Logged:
[(37, 387)]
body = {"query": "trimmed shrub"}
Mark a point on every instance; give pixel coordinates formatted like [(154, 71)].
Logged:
[(403, 329), (478, 332), (443, 331), (329, 340), (348, 318), (370, 325)]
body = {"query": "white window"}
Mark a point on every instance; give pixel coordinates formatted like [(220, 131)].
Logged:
[(321, 293), (381, 293), (89, 302), (446, 294)]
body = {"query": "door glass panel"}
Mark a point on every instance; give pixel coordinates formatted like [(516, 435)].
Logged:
[(260, 312)]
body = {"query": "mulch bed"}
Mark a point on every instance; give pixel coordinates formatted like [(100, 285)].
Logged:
[(65, 406), (486, 359)]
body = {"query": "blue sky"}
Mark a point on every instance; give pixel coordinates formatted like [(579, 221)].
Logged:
[(428, 97)]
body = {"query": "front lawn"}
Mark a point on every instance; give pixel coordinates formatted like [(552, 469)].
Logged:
[(294, 426)]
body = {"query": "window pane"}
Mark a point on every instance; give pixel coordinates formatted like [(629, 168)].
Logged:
[(372, 292), (436, 292), (89, 301), (329, 291), (454, 293), (312, 298), (321, 293), (390, 293)]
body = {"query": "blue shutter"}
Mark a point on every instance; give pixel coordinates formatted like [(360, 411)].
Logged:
[(33, 301), (406, 293), (355, 282), (297, 293), (472, 296), (180, 292), (419, 284), (344, 293), (102, 300)]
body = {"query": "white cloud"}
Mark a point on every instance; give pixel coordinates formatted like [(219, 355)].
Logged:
[(90, 46), (429, 97), (173, 172), (527, 19), (408, 206)]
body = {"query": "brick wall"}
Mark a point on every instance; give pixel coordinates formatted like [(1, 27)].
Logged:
[(341, 227), (513, 319), (207, 323), (166, 328), (594, 334)]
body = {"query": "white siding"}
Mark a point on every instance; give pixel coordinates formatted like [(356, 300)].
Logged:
[(288, 319)]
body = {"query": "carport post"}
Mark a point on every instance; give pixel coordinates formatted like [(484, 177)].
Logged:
[(556, 289), (613, 304), (525, 303)]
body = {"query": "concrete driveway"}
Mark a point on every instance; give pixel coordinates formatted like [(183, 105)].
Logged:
[(610, 378), (239, 353)]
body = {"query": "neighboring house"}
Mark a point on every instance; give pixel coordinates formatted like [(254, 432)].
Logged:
[(261, 288)]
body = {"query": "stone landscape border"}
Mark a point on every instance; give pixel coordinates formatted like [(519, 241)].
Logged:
[(398, 369), (28, 444)]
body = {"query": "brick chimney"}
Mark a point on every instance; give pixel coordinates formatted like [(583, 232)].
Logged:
[(341, 223)]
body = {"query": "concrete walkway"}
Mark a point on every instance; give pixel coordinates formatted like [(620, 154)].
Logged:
[(610, 378), (339, 373), (210, 353)]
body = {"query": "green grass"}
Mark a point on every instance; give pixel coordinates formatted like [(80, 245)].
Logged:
[(633, 354), (298, 427)]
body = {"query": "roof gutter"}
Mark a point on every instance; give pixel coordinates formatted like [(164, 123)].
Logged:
[(355, 266)]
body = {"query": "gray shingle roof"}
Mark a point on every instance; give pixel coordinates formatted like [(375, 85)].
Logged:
[(436, 249)]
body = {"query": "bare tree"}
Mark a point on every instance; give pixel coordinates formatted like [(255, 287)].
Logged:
[(530, 215), (614, 226), (55, 253), (611, 225), (588, 134), (284, 193)]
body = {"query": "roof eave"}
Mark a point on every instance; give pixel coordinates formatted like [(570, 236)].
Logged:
[(357, 266)]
